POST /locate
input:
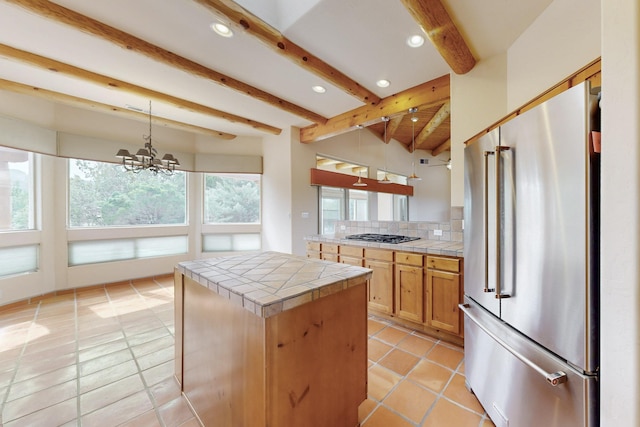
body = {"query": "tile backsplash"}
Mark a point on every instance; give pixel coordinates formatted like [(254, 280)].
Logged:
[(448, 231)]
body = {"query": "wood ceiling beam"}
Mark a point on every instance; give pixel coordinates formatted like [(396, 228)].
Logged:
[(131, 43), (445, 146), (343, 165), (104, 108), (113, 84), (392, 127), (326, 162), (277, 42), (425, 95), (438, 26), (437, 119)]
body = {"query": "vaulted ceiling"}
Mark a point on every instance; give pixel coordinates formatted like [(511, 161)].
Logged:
[(114, 56)]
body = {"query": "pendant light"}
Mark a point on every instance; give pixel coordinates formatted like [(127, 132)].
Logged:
[(414, 119), (359, 182), (386, 179)]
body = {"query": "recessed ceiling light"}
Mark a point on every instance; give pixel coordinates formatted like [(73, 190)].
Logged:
[(415, 41), (318, 89), (221, 29), (383, 83)]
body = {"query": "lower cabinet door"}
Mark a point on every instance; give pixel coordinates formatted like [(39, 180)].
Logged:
[(443, 297), (409, 293), (380, 287)]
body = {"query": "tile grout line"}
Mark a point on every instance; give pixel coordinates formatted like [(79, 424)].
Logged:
[(405, 378), (156, 407), (439, 395), (17, 366), (77, 336), (135, 360)]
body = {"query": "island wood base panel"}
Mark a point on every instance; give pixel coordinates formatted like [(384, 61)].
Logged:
[(306, 366)]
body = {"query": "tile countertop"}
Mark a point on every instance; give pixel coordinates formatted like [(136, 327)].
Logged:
[(423, 246), (268, 283)]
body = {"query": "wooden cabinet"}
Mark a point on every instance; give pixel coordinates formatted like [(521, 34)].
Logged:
[(415, 290), (313, 250), (380, 286), (409, 286), (352, 255), (444, 293), (329, 252)]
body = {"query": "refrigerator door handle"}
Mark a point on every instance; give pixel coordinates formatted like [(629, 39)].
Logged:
[(553, 378), (486, 289), (499, 294)]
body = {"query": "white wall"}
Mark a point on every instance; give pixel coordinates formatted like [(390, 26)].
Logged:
[(620, 290), (304, 199), (478, 99), (277, 193), (564, 38)]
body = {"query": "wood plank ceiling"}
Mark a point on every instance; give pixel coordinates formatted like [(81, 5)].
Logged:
[(431, 98)]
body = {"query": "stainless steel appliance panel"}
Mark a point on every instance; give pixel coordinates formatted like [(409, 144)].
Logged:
[(480, 259), (545, 210), (512, 392)]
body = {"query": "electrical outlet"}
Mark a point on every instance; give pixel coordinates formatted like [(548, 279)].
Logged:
[(343, 227), (305, 215), (437, 232), (424, 161)]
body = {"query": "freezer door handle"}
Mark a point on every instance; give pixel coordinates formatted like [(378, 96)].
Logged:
[(498, 218), (553, 378), (486, 289)]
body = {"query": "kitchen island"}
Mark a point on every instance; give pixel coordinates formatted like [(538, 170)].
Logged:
[(271, 339)]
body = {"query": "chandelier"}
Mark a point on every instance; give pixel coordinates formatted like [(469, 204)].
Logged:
[(146, 158)]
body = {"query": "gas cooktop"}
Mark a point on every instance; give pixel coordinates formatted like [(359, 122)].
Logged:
[(381, 238)]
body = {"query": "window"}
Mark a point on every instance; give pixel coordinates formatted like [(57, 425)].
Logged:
[(18, 260), (231, 217), (16, 190), (336, 204), (358, 205), (231, 199), (231, 242), (103, 195), (332, 202), (393, 207), (95, 251)]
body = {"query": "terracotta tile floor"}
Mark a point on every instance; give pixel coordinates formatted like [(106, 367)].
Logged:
[(104, 357), (415, 381)]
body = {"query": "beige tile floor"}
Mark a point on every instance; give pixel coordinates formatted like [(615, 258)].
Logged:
[(103, 356)]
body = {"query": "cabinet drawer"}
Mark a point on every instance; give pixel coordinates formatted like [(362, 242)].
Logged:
[(445, 264), (380, 254), (327, 247), (330, 257), (313, 246), (409, 259), (353, 251)]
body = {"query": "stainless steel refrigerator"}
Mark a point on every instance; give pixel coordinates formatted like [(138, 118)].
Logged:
[(531, 258)]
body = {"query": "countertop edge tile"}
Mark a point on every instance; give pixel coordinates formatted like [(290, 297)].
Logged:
[(321, 278)]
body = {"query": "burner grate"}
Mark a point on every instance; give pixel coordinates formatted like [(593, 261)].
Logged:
[(381, 238)]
